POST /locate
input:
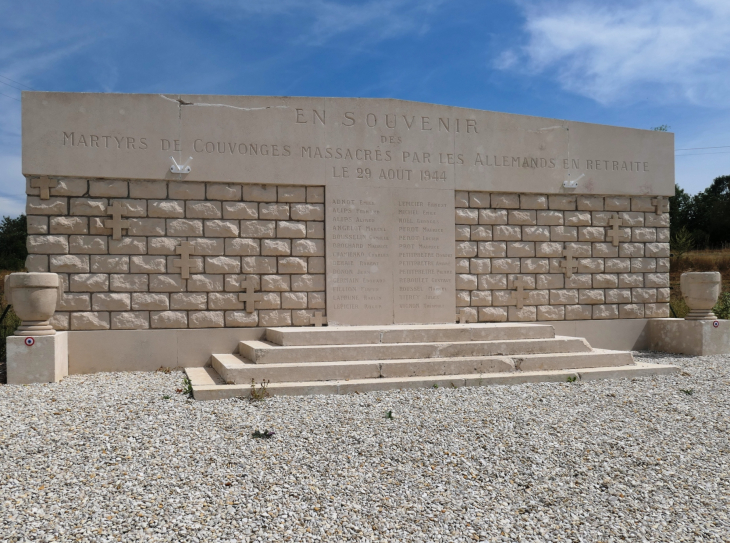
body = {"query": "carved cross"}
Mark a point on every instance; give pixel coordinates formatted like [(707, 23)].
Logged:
[(185, 249), (462, 317), (250, 296), (116, 223), (519, 284), (661, 204), (45, 184), (569, 264), (318, 319), (615, 234)]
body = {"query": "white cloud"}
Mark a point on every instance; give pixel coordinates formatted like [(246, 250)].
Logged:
[(670, 51)]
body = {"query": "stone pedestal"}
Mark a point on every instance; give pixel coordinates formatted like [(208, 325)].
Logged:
[(37, 359), (693, 337), (700, 291)]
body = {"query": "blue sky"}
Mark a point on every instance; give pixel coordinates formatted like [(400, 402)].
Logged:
[(629, 63)]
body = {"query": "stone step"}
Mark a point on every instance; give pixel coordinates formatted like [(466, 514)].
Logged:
[(261, 352), (362, 335), (206, 391), (236, 369)]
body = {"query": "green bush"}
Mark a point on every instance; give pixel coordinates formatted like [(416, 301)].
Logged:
[(12, 243), (722, 307)]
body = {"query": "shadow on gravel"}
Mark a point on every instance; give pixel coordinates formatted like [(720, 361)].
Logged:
[(654, 355)]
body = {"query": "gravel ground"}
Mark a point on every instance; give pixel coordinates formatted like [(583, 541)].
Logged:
[(124, 457)]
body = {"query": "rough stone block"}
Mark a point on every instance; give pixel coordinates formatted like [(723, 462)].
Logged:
[(590, 265), (184, 227), (205, 283), (518, 249), (478, 233), (67, 225), (308, 247), (276, 247), (642, 203), (462, 265), (307, 282), (466, 282), (108, 188), (37, 263), (562, 202), (69, 264), (656, 311), (307, 212), (86, 207), (591, 233), (549, 249), (590, 203), (505, 201), (628, 250), (662, 264), (109, 264), (292, 194), (506, 265), (274, 212), (169, 319), (221, 228), (240, 210), (551, 313), (581, 249), (618, 296), (222, 264), (275, 283), (260, 229), (110, 301), (239, 319), (270, 300), (292, 265), (129, 282), (656, 221), (492, 314), (656, 279), (222, 191), (148, 190), (290, 229), (608, 311), (616, 203), (662, 235), (526, 314), (293, 300), (535, 233), (564, 297), (315, 230), (315, 264), (492, 216), (189, 301), (643, 295), (242, 246), (563, 233), (465, 249), (591, 296), (148, 301), (467, 216), (550, 218), (75, 301), (463, 298), (89, 282), (131, 208), (643, 265), (163, 246), (258, 264), (605, 280), (617, 265), (463, 233), (146, 227), (461, 198), (577, 218), (578, 312), (259, 193), (533, 201), (549, 281), (90, 320), (522, 217), (275, 317), (579, 280), (184, 190), (534, 265), (37, 224), (224, 300), (43, 244), (195, 209), (506, 233), (88, 244), (480, 298), (503, 298), (493, 281), (170, 282), (604, 250), (315, 195), (631, 311), (630, 280), (128, 246), (316, 300), (478, 266), (662, 294), (206, 246), (131, 320), (643, 235), (166, 209)]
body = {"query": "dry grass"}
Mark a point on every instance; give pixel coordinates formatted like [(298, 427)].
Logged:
[(7, 326), (699, 261)]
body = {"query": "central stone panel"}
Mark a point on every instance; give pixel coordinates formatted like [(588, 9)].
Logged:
[(390, 255)]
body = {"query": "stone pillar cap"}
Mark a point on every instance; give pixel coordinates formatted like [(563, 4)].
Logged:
[(702, 277), (30, 280)]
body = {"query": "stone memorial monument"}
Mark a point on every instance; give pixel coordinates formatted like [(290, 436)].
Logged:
[(185, 226)]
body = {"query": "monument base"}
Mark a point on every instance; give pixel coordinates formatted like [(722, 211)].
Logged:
[(37, 359), (694, 337)]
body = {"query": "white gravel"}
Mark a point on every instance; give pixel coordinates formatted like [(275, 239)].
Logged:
[(106, 458)]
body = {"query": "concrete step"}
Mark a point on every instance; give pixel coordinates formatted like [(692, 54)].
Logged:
[(362, 335), (206, 391), (261, 352), (236, 369)]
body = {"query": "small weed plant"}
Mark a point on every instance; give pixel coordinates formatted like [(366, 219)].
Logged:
[(261, 393), (389, 414), (166, 397), (266, 434), (187, 387), (722, 308), (687, 391), (572, 378)]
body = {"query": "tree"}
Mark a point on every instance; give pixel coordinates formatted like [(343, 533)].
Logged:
[(12, 243)]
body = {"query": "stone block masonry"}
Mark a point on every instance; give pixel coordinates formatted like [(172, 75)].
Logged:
[(272, 234), (573, 261)]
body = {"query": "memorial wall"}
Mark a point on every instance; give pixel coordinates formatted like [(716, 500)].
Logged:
[(167, 211)]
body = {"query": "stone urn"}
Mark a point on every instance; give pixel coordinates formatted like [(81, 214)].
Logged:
[(34, 297), (701, 291)]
